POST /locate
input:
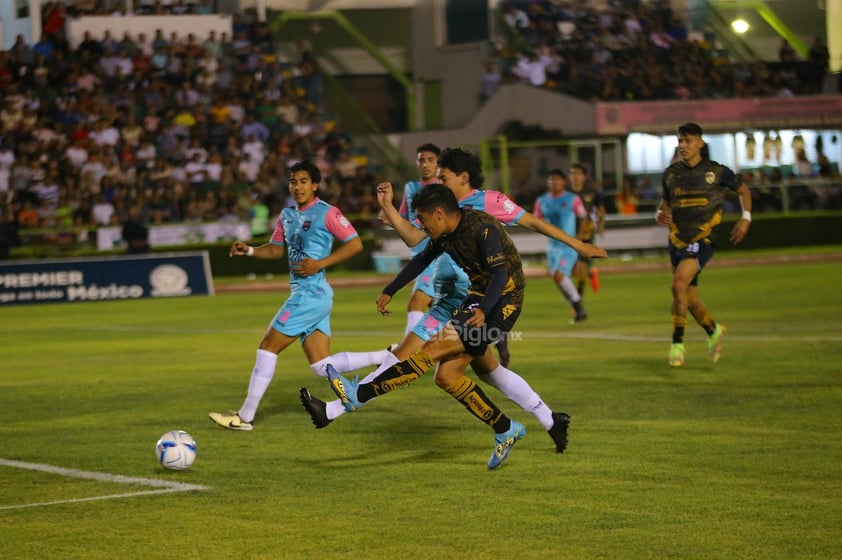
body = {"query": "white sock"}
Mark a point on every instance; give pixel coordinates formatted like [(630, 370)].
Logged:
[(261, 376), (388, 361), (412, 317), (569, 290), (518, 391), (319, 367), (349, 361)]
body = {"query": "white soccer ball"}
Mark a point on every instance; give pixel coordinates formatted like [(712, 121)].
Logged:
[(176, 450)]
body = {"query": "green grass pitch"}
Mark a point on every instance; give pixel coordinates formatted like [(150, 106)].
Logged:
[(741, 460)]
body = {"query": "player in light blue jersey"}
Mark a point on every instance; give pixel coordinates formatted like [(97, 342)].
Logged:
[(563, 209), (306, 233), (424, 291)]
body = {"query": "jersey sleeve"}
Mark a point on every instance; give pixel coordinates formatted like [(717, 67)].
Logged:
[(536, 209), (579, 207), (727, 178), (278, 236), (338, 225), (403, 209), (502, 207)]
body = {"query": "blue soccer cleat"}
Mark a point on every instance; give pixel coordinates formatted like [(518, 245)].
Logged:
[(344, 388), (504, 443)]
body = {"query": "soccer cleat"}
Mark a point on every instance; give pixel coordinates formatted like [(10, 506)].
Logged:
[(594, 275), (231, 421), (504, 443), (316, 408), (558, 432), (344, 388), (677, 354), (392, 347), (715, 343), (579, 317)]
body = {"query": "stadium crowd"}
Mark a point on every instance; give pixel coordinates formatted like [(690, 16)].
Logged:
[(624, 50), (178, 128)]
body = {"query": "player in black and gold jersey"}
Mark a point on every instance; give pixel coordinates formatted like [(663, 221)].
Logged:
[(479, 244), (693, 192), (588, 228)]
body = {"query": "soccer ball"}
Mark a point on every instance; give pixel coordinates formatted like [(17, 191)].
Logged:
[(176, 450)]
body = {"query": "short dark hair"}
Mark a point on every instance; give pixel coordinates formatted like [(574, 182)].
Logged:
[(580, 167), (428, 147), (690, 128), (435, 195), (308, 167), (459, 161), (558, 172)]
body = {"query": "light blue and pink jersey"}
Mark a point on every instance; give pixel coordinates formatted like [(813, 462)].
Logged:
[(309, 232), (562, 211)]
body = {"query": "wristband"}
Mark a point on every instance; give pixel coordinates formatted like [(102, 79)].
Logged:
[(747, 215), (658, 213), (250, 252)]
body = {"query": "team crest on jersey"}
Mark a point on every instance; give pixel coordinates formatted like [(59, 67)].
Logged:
[(508, 207), (306, 225), (710, 177)]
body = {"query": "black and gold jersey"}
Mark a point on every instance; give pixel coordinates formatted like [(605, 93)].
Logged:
[(478, 245), (696, 196)]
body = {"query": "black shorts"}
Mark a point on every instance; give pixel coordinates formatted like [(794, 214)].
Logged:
[(498, 323), (701, 251)]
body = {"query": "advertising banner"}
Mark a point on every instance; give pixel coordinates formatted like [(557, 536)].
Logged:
[(106, 278)]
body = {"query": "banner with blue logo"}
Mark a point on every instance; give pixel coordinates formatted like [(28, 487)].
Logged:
[(106, 278)]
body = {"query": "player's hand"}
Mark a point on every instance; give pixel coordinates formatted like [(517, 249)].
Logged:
[(238, 248), (305, 267), (663, 217), (591, 251), (382, 301), (385, 194), (477, 318), (739, 232)]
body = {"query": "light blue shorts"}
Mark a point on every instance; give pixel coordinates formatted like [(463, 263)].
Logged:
[(451, 286), (303, 314), (562, 259), (424, 282)]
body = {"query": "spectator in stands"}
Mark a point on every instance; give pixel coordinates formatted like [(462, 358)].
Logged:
[(8, 230), (134, 232), (626, 198)]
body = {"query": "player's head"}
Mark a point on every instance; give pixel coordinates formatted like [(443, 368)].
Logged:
[(304, 178), (436, 207), (690, 143), (578, 176), (427, 161), (556, 181), (460, 168)]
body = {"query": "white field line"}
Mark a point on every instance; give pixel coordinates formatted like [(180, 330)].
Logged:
[(163, 486)]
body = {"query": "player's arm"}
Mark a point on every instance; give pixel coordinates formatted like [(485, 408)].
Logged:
[(410, 234), (663, 215), (587, 250), (408, 273), (600, 215), (493, 260), (741, 227), (265, 251)]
